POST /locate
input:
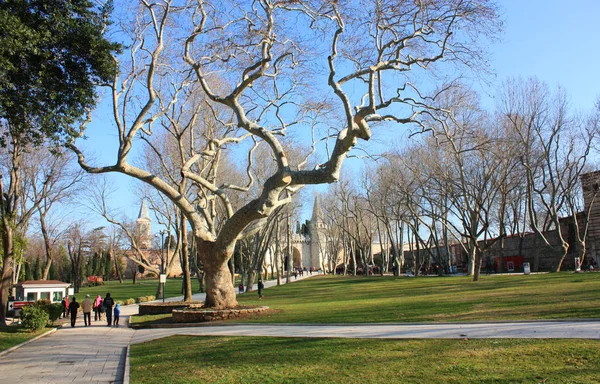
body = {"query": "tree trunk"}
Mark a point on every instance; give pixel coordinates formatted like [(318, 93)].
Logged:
[(220, 293), (565, 249), (472, 254), (187, 282), (7, 240), (250, 281), (477, 263), (47, 246), (118, 270)]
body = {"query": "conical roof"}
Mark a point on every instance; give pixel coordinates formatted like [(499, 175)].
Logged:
[(144, 214), (317, 215)]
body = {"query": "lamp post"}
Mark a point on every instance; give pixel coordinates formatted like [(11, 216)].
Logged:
[(162, 277)]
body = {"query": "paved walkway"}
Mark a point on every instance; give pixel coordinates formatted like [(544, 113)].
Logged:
[(96, 354), (517, 330), (93, 354)]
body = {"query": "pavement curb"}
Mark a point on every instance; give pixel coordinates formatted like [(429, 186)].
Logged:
[(5, 352), (126, 370)]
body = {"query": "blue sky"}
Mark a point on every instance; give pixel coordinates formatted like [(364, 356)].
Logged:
[(555, 40)]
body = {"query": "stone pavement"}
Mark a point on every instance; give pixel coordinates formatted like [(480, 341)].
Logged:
[(93, 354), (97, 354), (518, 330)]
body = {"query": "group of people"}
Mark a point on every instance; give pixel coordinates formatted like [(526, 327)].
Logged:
[(261, 286), (99, 306)]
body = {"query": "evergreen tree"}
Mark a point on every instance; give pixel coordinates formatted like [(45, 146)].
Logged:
[(37, 269), (52, 271)]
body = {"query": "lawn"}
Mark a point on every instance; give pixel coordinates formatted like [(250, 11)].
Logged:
[(14, 335), (144, 287), (330, 299), (291, 360)]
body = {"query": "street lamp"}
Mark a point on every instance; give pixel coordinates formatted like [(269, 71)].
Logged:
[(163, 277)]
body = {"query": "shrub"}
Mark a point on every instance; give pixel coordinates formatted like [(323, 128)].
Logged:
[(119, 302), (54, 310), (130, 301), (33, 317), (144, 299)]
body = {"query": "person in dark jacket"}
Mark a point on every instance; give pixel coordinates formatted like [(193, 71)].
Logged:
[(261, 286), (108, 306), (63, 304), (73, 307)]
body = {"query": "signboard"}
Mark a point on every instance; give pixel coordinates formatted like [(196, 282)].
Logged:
[(18, 304), (162, 278), (526, 268)]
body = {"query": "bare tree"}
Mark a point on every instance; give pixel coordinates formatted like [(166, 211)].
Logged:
[(54, 182), (270, 73), (555, 149)]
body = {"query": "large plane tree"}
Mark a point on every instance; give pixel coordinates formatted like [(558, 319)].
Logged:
[(223, 77)]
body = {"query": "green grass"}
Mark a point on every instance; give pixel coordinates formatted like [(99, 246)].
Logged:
[(144, 287), (14, 335), (147, 320), (431, 299), (292, 360)]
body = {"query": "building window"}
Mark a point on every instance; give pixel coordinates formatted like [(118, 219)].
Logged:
[(31, 296), (57, 296), (44, 295)]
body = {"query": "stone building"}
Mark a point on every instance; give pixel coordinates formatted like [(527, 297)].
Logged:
[(309, 242)]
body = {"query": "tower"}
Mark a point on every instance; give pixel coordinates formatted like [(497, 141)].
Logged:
[(318, 239), (143, 223)]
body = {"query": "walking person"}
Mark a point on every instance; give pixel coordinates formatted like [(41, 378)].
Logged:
[(261, 286), (86, 308), (117, 313), (66, 306), (97, 308), (108, 306), (73, 307), (63, 304)]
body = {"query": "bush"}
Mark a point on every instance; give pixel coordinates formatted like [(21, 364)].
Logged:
[(119, 302), (130, 301), (33, 317), (54, 310), (144, 299)]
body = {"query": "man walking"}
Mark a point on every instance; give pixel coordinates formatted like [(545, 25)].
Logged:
[(261, 286), (86, 308), (108, 305), (73, 307)]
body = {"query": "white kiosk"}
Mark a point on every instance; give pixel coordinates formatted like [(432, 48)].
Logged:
[(34, 290)]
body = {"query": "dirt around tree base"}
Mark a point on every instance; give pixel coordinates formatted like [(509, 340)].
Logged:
[(201, 314)]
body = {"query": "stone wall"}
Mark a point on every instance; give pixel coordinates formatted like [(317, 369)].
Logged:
[(200, 315), (160, 308)]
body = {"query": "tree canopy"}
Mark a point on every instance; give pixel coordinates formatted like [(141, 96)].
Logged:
[(53, 53)]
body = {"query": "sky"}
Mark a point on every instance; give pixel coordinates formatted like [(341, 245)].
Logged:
[(556, 41)]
